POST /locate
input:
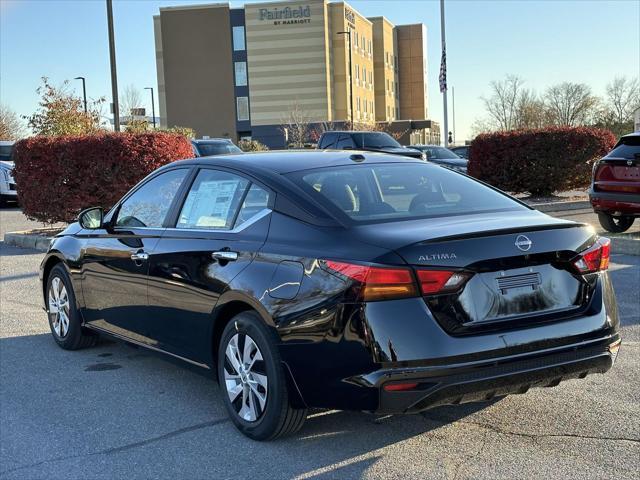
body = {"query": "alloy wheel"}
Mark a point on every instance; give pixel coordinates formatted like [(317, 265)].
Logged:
[(245, 377), (59, 307)]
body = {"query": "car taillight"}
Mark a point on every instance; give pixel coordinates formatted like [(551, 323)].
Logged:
[(376, 283), (595, 258), (441, 281)]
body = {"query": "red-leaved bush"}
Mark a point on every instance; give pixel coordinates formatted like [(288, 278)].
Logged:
[(59, 176), (539, 161)]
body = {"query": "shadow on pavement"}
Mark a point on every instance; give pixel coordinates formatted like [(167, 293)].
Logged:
[(166, 402)]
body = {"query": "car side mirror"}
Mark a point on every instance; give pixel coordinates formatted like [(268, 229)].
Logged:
[(91, 218)]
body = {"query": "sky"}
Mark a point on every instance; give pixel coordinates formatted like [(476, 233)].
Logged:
[(544, 42)]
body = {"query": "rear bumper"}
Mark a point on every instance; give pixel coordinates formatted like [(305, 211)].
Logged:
[(628, 203), (480, 381)]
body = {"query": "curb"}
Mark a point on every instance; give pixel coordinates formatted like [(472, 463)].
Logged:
[(561, 206), (27, 240)]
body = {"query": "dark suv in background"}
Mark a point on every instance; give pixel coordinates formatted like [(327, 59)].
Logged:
[(367, 141), (615, 186)]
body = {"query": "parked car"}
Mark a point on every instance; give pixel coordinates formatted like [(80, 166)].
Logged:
[(462, 151), (336, 280), (615, 185), (8, 190), (443, 156), (365, 141), (213, 146)]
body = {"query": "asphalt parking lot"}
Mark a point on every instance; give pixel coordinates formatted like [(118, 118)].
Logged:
[(114, 411)]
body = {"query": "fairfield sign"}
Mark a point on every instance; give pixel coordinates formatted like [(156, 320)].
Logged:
[(287, 15)]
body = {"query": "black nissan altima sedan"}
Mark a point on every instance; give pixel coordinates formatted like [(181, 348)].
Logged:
[(342, 280)]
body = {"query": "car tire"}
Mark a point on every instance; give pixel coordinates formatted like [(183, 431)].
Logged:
[(64, 317), (253, 382), (615, 224)]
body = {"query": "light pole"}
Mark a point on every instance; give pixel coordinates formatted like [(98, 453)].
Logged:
[(348, 34), (114, 76), (443, 75), (153, 107), (84, 92)]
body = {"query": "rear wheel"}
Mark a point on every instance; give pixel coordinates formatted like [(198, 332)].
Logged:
[(615, 224), (64, 318), (252, 381)]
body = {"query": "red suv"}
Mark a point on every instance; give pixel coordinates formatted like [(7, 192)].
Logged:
[(615, 187)]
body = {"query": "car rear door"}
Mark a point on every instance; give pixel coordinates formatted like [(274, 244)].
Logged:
[(218, 230), (115, 261)]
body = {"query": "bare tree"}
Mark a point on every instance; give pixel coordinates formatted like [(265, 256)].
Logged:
[(295, 125), (623, 98), (530, 111), (131, 98), (570, 104), (502, 105), (11, 126)]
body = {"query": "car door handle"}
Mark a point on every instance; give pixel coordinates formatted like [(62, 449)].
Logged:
[(225, 255), (139, 256)]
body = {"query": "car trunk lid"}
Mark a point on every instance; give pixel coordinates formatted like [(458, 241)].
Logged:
[(517, 267)]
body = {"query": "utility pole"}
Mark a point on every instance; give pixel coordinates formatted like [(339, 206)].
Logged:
[(114, 75), (153, 107), (84, 92), (443, 69), (348, 34)]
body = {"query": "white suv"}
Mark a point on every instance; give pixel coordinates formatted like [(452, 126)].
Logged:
[(8, 190)]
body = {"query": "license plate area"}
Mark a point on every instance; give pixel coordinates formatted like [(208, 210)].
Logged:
[(517, 293)]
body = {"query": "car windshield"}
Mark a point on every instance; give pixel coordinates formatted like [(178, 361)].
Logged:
[(5, 152), (374, 140), (438, 153), (629, 147), (217, 148), (400, 191)]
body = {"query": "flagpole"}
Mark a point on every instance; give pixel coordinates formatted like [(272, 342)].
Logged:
[(444, 91)]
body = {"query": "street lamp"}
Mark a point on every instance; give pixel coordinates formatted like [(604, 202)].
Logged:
[(84, 92), (348, 34), (112, 61), (153, 107)]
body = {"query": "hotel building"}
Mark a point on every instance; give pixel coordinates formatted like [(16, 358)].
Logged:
[(239, 72)]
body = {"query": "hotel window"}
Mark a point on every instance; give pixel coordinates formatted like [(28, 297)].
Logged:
[(355, 37), (241, 74), (238, 39), (242, 107), (358, 104)]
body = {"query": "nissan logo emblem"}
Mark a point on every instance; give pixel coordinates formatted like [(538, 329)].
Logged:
[(523, 243)]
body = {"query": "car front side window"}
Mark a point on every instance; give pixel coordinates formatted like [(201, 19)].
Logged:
[(148, 206)]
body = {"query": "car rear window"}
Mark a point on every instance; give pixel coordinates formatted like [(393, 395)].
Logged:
[(400, 191), (627, 148)]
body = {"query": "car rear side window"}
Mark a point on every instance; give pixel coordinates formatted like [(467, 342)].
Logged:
[(400, 191), (213, 200), (148, 206)]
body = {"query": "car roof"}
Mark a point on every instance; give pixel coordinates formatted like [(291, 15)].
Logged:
[(288, 161), (210, 140), (351, 131), (4, 143), (634, 134)]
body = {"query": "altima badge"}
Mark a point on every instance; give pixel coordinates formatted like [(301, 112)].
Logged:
[(523, 243)]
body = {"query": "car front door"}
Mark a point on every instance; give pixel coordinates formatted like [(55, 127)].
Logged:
[(218, 230), (115, 260)]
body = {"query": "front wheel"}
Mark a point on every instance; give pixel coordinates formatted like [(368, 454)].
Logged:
[(64, 318), (252, 380), (615, 224)]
